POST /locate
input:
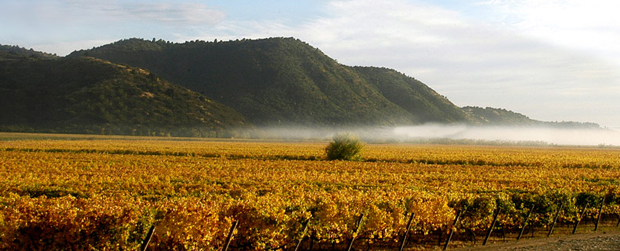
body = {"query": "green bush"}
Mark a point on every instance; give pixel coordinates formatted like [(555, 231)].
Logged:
[(345, 146)]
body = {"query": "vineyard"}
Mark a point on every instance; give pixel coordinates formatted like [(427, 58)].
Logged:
[(105, 193)]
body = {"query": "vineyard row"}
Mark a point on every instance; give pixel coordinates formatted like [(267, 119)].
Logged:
[(195, 224)]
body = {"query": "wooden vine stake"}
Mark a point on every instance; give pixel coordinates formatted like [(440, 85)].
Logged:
[(357, 229), (525, 222), (555, 219), (456, 220), (148, 238), (600, 212), (303, 234), (402, 244), (230, 235), (580, 218), (492, 226)]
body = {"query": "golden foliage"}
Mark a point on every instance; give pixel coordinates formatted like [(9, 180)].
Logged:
[(105, 194)]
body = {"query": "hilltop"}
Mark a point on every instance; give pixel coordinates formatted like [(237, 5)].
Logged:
[(15, 52)]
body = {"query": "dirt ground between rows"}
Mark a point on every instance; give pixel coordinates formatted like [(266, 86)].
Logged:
[(603, 240)]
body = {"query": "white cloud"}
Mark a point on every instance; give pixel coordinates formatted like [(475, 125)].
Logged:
[(470, 61), (58, 15), (167, 13), (591, 26), (551, 60), (58, 23)]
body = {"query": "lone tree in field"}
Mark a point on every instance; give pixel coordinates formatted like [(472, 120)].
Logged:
[(345, 146)]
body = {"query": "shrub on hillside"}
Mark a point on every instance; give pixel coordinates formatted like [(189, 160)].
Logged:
[(345, 146)]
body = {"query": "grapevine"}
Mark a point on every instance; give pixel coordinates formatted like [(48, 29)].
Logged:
[(106, 194)]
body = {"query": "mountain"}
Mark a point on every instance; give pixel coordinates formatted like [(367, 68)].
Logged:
[(496, 116), (419, 100), (502, 117), (284, 81), (88, 95), (16, 52), (198, 88)]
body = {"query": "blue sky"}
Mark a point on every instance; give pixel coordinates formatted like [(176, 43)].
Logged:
[(556, 60)]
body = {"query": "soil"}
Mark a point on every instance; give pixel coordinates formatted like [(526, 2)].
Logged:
[(609, 240)]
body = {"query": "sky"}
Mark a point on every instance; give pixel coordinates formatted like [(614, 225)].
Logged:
[(552, 60)]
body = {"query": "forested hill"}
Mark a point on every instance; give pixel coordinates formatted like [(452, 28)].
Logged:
[(199, 88), (415, 97), (286, 81), (15, 52), (88, 95)]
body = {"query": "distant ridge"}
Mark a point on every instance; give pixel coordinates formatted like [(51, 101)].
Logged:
[(503, 117), (88, 95), (198, 88), (286, 81), (16, 52)]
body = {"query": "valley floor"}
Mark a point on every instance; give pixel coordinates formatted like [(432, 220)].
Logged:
[(85, 192)]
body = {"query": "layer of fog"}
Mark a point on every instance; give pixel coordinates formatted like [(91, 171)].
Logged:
[(457, 134)]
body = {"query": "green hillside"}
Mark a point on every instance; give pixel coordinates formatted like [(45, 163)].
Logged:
[(16, 52), (214, 89), (87, 95), (419, 100), (495, 116), (286, 81)]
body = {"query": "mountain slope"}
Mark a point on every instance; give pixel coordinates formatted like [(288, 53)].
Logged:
[(286, 81), (494, 116), (415, 97), (87, 95)]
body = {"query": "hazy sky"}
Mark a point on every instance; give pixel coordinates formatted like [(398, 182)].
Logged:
[(551, 60)]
